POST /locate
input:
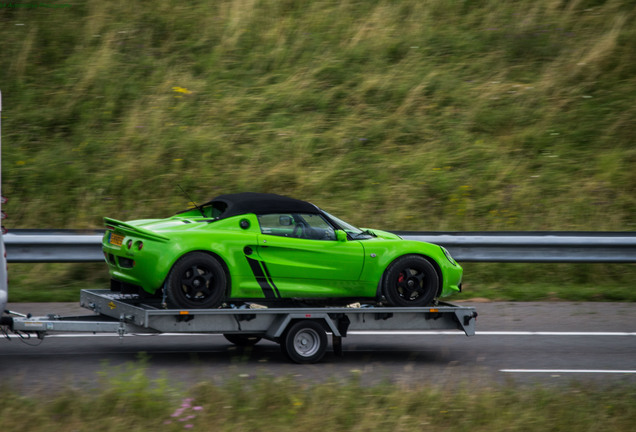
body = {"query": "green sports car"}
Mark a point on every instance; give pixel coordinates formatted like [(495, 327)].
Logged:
[(264, 248)]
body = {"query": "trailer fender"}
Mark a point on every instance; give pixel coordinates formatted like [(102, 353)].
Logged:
[(281, 322)]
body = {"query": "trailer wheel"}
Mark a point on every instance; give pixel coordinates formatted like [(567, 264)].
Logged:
[(305, 342), (241, 339), (196, 281), (410, 281)]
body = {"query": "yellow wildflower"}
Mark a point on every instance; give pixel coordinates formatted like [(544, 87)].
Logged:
[(181, 90)]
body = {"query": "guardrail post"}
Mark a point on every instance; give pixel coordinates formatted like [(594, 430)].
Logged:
[(4, 285)]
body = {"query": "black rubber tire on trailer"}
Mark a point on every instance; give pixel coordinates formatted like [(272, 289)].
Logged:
[(410, 280), (305, 342), (243, 340), (197, 281)]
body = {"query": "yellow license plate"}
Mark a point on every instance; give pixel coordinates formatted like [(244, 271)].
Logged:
[(116, 239)]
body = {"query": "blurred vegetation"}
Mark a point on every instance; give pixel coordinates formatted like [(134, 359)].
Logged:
[(405, 115), (129, 400)]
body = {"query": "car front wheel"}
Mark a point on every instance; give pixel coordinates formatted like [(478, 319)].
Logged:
[(410, 281), (196, 281)]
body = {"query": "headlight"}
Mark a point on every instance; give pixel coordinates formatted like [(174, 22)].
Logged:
[(448, 256)]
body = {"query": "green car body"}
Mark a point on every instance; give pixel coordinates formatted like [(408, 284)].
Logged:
[(281, 249)]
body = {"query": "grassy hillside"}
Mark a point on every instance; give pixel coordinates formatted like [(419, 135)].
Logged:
[(419, 115), (406, 114)]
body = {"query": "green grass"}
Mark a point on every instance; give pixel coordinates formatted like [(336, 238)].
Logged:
[(537, 282), (129, 400), (55, 282), (404, 115)]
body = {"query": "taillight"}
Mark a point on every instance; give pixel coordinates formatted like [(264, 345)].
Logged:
[(140, 245), (129, 244)]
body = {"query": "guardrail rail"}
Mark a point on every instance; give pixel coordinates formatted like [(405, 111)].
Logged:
[(30, 246)]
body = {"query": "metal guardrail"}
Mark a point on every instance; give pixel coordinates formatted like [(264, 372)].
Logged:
[(24, 246), (550, 247), (31, 246)]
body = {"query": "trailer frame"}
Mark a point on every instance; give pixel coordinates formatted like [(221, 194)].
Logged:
[(301, 331)]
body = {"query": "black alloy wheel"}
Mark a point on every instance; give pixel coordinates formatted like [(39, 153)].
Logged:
[(197, 281), (410, 281)]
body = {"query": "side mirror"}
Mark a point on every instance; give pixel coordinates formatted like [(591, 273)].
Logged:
[(284, 220), (341, 235)]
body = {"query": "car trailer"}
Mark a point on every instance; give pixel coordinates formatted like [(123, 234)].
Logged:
[(300, 331)]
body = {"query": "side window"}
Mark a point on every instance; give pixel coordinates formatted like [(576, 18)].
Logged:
[(317, 228), (277, 224), (297, 225)]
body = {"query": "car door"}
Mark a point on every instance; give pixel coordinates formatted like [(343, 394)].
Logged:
[(302, 257)]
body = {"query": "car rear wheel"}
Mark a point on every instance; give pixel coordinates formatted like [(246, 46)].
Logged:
[(410, 281), (197, 281)]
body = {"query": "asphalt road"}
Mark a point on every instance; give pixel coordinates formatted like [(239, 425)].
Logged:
[(525, 343)]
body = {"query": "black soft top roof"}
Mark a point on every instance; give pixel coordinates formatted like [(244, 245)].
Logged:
[(259, 203)]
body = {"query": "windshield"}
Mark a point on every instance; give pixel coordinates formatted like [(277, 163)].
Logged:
[(354, 232)]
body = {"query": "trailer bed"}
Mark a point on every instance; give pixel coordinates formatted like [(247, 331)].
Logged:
[(301, 331)]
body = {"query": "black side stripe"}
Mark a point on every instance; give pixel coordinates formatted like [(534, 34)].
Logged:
[(270, 280), (260, 278)]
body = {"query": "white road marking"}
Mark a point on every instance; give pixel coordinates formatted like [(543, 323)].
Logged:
[(553, 333), (366, 333), (87, 335), (492, 333), (569, 371)]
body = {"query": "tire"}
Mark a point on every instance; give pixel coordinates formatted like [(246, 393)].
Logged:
[(242, 340), (197, 281), (410, 280), (305, 342)]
